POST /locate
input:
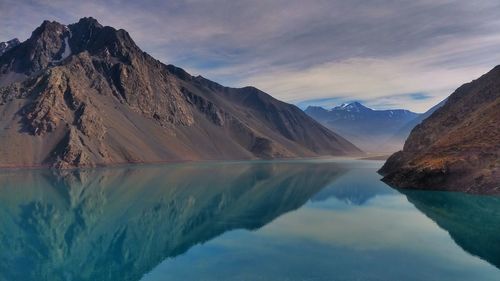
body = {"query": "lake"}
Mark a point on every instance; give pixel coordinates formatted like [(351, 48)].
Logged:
[(330, 219)]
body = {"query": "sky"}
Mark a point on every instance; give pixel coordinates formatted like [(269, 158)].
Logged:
[(383, 53)]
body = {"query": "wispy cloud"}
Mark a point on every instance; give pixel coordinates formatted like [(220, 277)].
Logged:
[(300, 50), (384, 81)]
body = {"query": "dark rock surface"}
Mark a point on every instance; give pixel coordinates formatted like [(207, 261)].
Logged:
[(5, 46)]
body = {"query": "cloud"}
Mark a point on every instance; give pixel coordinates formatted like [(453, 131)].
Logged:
[(419, 96), (292, 42), (384, 82)]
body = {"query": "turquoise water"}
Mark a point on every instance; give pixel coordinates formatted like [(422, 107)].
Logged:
[(283, 220)]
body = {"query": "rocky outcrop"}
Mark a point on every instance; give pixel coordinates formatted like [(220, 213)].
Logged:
[(458, 146), (5, 46), (37, 53), (86, 95)]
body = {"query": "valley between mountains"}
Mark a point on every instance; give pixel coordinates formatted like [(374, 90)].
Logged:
[(85, 95)]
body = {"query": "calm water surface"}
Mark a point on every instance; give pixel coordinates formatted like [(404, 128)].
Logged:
[(284, 220)]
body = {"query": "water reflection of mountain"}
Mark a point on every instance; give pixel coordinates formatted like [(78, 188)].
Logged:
[(117, 224), (472, 221), (355, 187)]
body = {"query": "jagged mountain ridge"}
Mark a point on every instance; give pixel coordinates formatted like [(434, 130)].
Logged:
[(458, 146), (86, 95), (371, 130), (5, 46)]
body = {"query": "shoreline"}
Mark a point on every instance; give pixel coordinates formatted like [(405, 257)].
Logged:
[(172, 162)]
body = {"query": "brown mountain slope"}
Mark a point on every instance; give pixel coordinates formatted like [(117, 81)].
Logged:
[(86, 95), (458, 146)]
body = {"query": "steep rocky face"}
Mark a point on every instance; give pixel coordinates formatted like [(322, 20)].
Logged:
[(86, 95), (371, 130), (37, 53), (458, 146), (403, 133)]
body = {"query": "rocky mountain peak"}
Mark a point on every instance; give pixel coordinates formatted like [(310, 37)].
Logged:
[(89, 35), (87, 95), (47, 28), (352, 104), (5, 46), (352, 107), (45, 46), (53, 42), (89, 22)]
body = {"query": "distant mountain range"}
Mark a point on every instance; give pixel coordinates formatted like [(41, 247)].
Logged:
[(458, 146), (85, 95), (404, 132), (380, 131)]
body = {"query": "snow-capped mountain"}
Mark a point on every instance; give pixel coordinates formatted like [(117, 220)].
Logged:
[(358, 111), (371, 130)]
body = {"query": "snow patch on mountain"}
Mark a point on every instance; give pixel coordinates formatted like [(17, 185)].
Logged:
[(67, 49)]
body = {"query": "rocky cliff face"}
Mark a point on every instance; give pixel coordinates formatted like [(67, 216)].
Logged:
[(86, 95), (458, 146), (5, 46), (404, 132)]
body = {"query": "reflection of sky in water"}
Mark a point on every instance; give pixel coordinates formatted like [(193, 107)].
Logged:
[(354, 229), (258, 220)]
